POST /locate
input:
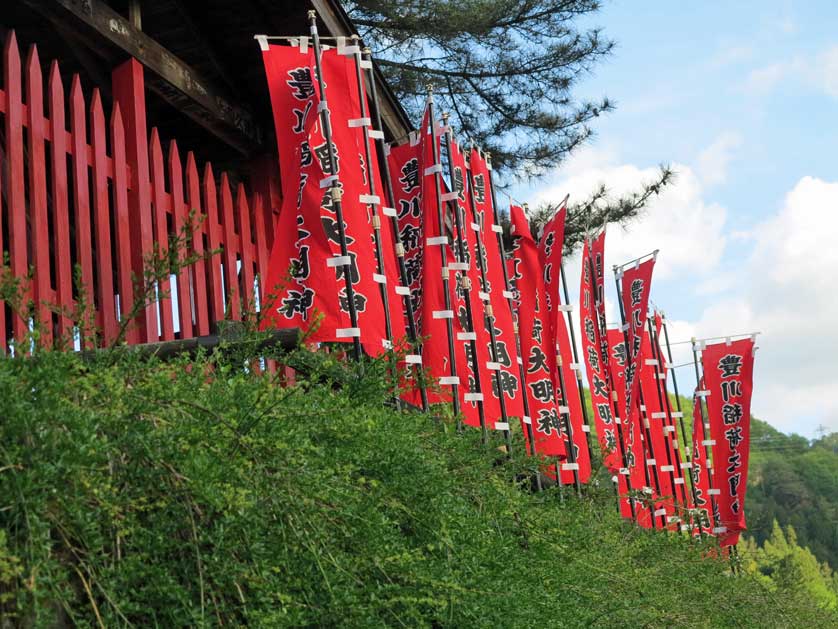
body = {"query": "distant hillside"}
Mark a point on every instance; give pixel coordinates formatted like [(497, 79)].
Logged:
[(199, 493)]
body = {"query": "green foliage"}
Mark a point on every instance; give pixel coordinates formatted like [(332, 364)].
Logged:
[(786, 567), (199, 493)]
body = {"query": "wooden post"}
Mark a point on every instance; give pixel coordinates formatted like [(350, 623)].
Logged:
[(129, 92)]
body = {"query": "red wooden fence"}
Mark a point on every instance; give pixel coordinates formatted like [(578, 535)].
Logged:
[(101, 194)]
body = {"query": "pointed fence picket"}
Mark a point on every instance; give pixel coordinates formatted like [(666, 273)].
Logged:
[(73, 194)]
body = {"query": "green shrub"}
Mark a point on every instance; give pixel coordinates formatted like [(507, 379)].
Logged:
[(200, 493)]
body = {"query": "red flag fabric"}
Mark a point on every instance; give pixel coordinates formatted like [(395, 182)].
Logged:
[(550, 255), (728, 375), (538, 347), (466, 274), (405, 170), (636, 455), (495, 287), (701, 471), (593, 337), (636, 284), (302, 278), (438, 309)]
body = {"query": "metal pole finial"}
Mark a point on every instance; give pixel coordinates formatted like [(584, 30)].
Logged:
[(312, 14)]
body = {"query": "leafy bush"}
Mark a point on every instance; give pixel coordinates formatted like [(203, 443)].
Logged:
[(198, 492)]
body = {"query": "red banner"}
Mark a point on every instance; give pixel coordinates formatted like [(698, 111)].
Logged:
[(728, 375), (550, 255), (466, 274), (302, 278), (701, 471), (495, 287), (592, 338), (437, 308), (405, 169), (537, 343), (636, 284)]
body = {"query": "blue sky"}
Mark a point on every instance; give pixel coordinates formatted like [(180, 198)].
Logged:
[(741, 98)]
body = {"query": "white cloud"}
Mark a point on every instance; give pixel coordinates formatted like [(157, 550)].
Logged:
[(824, 72), (686, 229), (778, 279), (790, 297), (713, 161)]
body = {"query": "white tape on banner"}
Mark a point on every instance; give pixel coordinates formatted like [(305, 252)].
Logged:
[(389, 211), (658, 415), (491, 366), (458, 266), (497, 229), (576, 367), (675, 444), (366, 64), (673, 519), (646, 423), (667, 468), (386, 344), (473, 397), (660, 512), (651, 462), (475, 227), (413, 359), (679, 481), (624, 471), (648, 490), (442, 129), (263, 41), (466, 336), (375, 134), (661, 376), (625, 327), (669, 428), (686, 466), (502, 426), (714, 492), (677, 414), (483, 295), (338, 261), (564, 410), (327, 181), (527, 419), (570, 467), (508, 294), (436, 168), (450, 196), (708, 442), (443, 314), (519, 360), (346, 333), (372, 199), (322, 106), (565, 307), (586, 428), (402, 290), (719, 529), (702, 393), (359, 122), (379, 278), (652, 361), (449, 380), (437, 240), (708, 464), (642, 408)]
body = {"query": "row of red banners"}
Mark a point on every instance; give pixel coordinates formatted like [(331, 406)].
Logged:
[(492, 325)]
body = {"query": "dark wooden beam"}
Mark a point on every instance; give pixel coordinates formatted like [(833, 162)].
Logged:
[(181, 85)]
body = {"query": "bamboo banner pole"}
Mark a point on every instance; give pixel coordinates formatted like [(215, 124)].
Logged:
[(389, 210), (649, 446), (449, 323), (335, 189), (460, 256), (705, 419), (663, 396), (614, 400), (376, 218), (575, 353)]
